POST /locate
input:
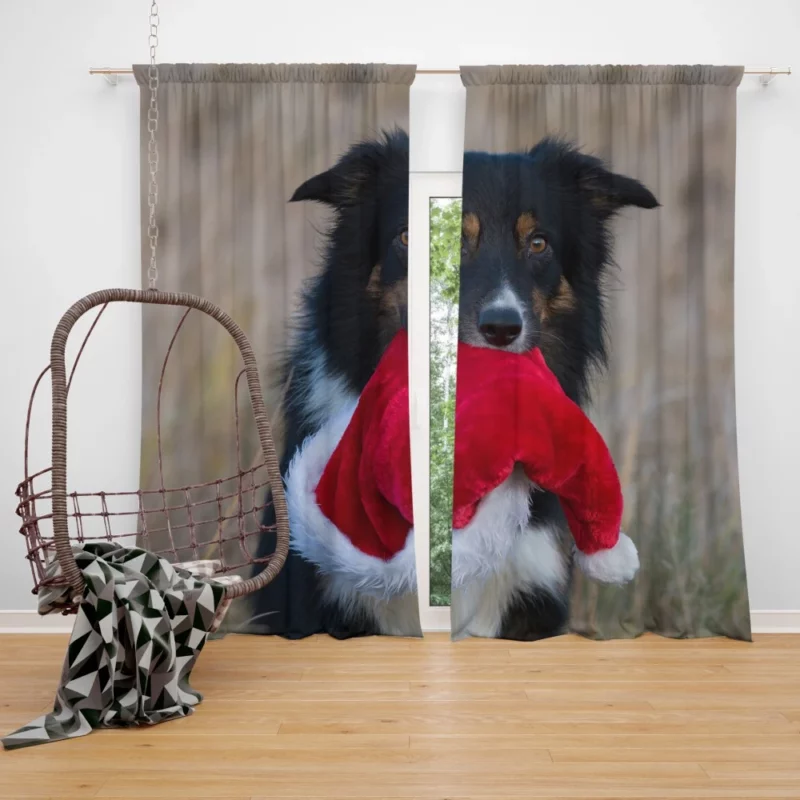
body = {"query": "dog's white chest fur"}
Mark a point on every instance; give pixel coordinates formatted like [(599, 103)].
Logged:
[(328, 394), (498, 556)]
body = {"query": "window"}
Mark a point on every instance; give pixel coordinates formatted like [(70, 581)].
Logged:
[(435, 236), (444, 252)]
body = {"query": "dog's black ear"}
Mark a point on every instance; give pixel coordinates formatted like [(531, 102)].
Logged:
[(343, 184), (606, 191), (355, 174), (321, 188)]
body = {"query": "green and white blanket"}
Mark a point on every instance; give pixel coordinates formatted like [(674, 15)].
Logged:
[(137, 636)]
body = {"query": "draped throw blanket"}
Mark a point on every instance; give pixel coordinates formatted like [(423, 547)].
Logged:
[(137, 635)]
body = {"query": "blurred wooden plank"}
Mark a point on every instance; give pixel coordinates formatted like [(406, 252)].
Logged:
[(532, 718), (412, 781), (607, 739), (703, 753), (767, 772), (550, 792), (16, 783)]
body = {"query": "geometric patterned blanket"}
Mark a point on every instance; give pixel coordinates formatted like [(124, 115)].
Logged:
[(137, 635)]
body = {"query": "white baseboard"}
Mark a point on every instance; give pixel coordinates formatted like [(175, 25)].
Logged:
[(783, 621), (31, 622)]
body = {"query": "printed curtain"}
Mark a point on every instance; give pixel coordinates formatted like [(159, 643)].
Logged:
[(595, 376), (283, 198)]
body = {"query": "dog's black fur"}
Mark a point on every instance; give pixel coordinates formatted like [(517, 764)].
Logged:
[(357, 303), (536, 245), (348, 315)]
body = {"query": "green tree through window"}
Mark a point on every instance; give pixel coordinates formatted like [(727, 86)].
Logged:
[(445, 238)]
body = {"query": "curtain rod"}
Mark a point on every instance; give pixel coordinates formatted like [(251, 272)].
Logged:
[(747, 71), (765, 74)]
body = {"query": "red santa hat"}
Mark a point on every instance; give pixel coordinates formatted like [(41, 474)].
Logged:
[(348, 488), (349, 485)]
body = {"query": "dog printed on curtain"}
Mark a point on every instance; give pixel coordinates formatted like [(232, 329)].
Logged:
[(595, 476), (594, 470), (348, 467), (531, 471), (344, 378)]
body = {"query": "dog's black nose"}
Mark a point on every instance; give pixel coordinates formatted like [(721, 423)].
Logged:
[(500, 325)]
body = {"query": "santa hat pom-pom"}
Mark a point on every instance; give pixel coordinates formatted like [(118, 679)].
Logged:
[(617, 564)]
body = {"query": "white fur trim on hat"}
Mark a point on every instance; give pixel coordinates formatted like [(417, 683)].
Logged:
[(319, 541), (483, 546), (617, 564)]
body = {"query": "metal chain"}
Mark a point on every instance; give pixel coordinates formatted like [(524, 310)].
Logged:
[(152, 146)]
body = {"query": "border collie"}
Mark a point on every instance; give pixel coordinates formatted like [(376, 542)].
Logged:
[(535, 247), (348, 315)]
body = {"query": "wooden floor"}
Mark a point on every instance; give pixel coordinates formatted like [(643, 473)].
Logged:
[(391, 718)]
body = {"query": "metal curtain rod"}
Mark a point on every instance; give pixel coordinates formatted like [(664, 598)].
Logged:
[(766, 74), (747, 71)]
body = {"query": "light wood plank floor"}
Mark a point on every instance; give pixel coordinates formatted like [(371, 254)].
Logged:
[(391, 718)]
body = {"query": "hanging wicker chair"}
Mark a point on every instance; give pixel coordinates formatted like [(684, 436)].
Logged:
[(220, 519)]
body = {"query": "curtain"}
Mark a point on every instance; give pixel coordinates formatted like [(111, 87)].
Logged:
[(318, 286), (598, 228)]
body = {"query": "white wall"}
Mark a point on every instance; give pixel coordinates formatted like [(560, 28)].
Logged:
[(69, 212)]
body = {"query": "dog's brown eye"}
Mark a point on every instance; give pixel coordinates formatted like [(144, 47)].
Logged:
[(538, 245), (404, 238)]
